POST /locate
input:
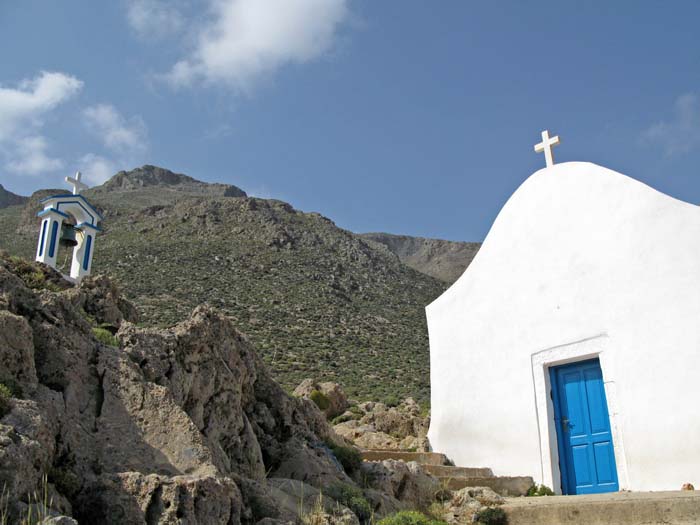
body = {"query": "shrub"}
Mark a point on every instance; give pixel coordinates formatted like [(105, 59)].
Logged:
[(352, 498), (316, 516), (349, 457), (409, 517), (321, 400), (105, 336), (492, 516), (342, 418), (13, 386), (541, 490), (5, 395), (391, 400), (33, 276)]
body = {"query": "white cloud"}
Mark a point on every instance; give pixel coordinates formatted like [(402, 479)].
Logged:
[(246, 39), (117, 133), (29, 157), (681, 133), (154, 18), (96, 169), (22, 112), (125, 138), (33, 98)]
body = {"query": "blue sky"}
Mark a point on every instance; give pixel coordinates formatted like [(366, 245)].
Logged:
[(401, 116)]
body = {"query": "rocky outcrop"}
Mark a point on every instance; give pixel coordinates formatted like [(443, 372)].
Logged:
[(375, 426), (328, 396), (172, 425)]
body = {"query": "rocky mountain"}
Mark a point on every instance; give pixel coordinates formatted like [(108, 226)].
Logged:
[(152, 176), (314, 299), (158, 426), (443, 260), (7, 198)]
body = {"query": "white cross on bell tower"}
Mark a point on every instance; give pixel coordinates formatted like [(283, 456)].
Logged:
[(69, 221), (78, 185), (546, 146)]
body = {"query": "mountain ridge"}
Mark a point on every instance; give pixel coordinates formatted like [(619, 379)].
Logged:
[(317, 300), (7, 198), (441, 259)]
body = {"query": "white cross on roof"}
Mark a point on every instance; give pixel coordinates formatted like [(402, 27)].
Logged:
[(546, 146), (78, 186)]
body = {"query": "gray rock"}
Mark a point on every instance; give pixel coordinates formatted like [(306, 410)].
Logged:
[(309, 503), (388, 428), (177, 425), (132, 497), (337, 400), (58, 520), (16, 350), (408, 482)]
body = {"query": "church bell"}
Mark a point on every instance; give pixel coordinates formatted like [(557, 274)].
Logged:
[(68, 236)]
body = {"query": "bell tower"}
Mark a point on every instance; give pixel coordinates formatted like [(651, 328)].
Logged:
[(69, 220)]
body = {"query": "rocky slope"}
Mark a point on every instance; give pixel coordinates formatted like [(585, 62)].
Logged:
[(156, 426), (443, 260), (315, 300), (7, 198)]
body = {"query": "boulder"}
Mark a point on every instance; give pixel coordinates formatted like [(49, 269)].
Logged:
[(387, 428), (408, 482), (311, 506), (27, 446), (383, 504), (58, 520), (311, 464), (100, 299), (132, 497), (465, 503), (334, 403)]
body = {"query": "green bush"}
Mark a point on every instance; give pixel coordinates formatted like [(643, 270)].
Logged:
[(13, 386), (492, 516), (342, 418), (352, 498), (541, 490), (105, 337), (391, 400), (5, 395), (349, 457), (321, 400), (33, 276), (409, 517)]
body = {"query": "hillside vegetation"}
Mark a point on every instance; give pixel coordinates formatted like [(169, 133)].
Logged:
[(316, 300)]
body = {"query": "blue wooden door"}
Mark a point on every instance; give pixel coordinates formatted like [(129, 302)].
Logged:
[(586, 455)]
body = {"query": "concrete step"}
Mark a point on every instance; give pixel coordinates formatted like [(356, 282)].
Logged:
[(619, 508), (447, 471), (503, 485), (424, 458)]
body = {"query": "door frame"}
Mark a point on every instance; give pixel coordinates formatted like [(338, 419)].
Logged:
[(542, 361)]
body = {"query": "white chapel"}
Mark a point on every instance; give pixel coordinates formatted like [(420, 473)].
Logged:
[(569, 350)]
